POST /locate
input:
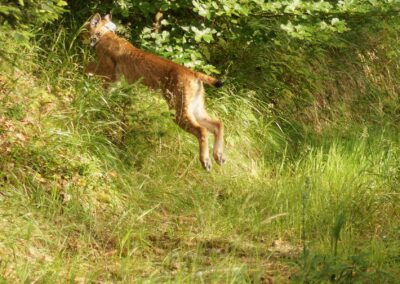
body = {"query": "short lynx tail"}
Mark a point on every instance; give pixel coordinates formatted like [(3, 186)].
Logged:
[(209, 80)]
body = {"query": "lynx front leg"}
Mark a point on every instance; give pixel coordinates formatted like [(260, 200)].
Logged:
[(91, 68), (105, 68)]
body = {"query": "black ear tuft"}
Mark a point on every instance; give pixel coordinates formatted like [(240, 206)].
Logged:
[(108, 17)]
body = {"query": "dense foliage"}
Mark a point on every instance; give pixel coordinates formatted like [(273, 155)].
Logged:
[(186, 30)]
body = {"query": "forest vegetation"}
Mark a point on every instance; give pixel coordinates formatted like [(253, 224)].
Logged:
[(99, 185)]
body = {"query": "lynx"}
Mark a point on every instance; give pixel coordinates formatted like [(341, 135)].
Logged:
[(181, 87)]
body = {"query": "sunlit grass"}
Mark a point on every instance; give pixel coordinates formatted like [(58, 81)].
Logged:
[(100, 185)]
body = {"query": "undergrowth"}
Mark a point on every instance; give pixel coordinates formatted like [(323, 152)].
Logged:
[(98, 184)]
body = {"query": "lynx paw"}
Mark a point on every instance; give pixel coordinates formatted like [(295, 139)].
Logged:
[(206, 164), (219, 158)]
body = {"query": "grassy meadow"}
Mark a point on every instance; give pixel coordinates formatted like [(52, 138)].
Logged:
[(100, 186)]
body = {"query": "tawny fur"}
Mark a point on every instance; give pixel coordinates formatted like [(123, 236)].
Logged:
[(181, 87)]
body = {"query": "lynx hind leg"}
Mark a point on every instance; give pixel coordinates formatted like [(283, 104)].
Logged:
[(214, 126), (217, 128), (188, 123)]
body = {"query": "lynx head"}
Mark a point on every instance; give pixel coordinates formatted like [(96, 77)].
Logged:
[(97, 27)]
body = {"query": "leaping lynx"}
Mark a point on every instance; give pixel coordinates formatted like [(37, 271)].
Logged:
[(181, 87)]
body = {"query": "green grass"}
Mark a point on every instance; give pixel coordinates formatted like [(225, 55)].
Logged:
[(100, 185)]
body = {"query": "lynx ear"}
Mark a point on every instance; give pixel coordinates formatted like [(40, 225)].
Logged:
[(108, 17), (95, 20)]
